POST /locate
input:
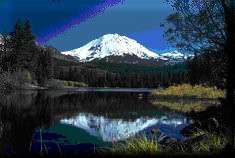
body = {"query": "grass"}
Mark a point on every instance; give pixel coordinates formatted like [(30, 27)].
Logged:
[(213, 144), (137, 146), (186, 90)]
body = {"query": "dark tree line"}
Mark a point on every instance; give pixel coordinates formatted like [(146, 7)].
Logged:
[(101, 78), (19, 52)]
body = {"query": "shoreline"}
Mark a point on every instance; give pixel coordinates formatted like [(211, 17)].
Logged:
[(105, 89)]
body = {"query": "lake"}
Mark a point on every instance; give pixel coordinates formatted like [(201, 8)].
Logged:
[(80, 120)]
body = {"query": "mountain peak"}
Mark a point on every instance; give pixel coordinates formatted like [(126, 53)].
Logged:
[(115, 35), (111, 45)]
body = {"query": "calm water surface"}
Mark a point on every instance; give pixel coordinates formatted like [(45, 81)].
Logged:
[(62, 120)]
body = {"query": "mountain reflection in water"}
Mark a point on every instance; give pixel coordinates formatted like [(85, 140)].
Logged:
[(88, 117), (117, 129)]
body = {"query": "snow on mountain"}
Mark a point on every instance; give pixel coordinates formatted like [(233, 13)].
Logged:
[(117, 45), (175, 55), (116, 129), (1, 41), (111, 45)]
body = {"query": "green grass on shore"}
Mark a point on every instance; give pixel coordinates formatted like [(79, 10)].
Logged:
[(186, 90)]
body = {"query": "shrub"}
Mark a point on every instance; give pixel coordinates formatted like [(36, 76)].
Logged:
[(74, 84), (54, 84), (27, 76), (186, 90)]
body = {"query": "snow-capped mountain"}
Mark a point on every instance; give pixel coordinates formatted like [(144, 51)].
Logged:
[(114, 45), (116, 129), (111, 45)]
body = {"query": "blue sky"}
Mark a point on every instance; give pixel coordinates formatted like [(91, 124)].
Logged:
[(69, 24)]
